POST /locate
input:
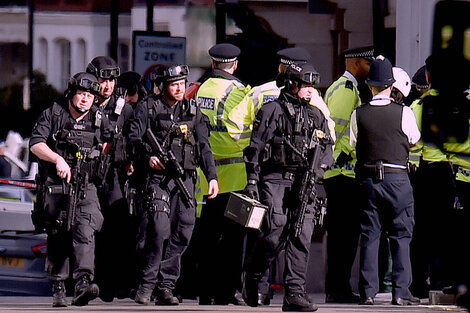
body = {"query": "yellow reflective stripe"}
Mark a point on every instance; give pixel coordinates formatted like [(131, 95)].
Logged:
[(221, 105), (340, 121), (336, 88), (414, 157)]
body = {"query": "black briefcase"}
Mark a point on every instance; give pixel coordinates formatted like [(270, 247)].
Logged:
[(245, 211)]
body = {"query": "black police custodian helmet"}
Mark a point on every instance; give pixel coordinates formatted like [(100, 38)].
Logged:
[(224, 52), (104, 67), (380, 73), (129, 81), (83, 81)]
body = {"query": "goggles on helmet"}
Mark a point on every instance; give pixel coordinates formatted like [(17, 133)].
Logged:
[(108, 73), (311, 78), (88, 85), (170, 73), (179, 70), (105, 73)]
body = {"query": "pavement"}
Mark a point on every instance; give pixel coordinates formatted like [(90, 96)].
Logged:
[(382, 305)]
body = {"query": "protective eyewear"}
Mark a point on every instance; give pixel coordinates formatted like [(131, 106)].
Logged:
[(108, 73), (311, 78), (179, 70), (89, 85)]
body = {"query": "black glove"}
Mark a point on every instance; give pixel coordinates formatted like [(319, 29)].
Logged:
[(251, 190)]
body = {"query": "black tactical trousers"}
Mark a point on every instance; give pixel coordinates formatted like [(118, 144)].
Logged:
[(274, 236), (168, 223), (77, 245), (115, 243)]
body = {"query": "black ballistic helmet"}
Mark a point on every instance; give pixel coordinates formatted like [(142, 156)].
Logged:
[(167, 74), (104, 67), (300, 73), (83, 81), (130, 81), (380, 73)]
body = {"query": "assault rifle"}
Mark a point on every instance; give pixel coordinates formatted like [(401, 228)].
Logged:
[(171, 163), (308, 193), (75, 187)]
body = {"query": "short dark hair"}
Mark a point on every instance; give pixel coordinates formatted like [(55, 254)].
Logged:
[(223, 65)]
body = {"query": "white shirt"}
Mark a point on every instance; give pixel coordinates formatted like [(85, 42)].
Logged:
[(408, 122)]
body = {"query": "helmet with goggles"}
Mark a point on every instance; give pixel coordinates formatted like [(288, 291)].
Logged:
[(300, 73), (104, 67), (167, 74), (82, 81)]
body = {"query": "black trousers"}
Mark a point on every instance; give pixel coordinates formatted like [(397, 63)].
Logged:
[(76, 246), (222, 251), (434, 194), (343, 229), (167, 222), (115, 243), (276, 235), (388, 206)]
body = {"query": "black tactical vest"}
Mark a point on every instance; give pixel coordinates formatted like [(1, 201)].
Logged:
[(174, 128), (291, 137)]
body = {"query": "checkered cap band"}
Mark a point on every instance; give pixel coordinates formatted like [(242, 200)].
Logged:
[(224, 60)]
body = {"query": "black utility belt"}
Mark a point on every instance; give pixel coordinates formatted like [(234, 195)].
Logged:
[(377, 170)]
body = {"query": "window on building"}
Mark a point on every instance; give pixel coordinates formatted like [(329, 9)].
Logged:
[(64, 62), (81, 54), (123, 52), (42, 56), (123, 55)]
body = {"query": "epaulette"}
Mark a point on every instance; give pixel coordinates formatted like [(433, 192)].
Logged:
[(349, 84)]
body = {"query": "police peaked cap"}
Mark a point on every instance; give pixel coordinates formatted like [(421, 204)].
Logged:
[(366, 52), (380, 73), (224, 52), (290, 55), (103, 67)]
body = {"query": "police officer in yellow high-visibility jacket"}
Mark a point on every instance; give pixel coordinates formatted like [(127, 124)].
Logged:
[(343, 227), (223, 239)]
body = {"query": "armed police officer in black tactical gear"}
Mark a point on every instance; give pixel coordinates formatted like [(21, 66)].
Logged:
[(290, 140), (382, 132), (115, 243), (169, 135), (68, 140)]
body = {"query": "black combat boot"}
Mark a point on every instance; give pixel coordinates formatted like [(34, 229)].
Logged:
[(143, 294), (85, 291), (58, 294), (250, 289), (166, 297), (297, 302)]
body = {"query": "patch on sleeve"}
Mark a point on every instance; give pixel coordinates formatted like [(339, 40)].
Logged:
[(349, 84), (267, 99), (206, 103)]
